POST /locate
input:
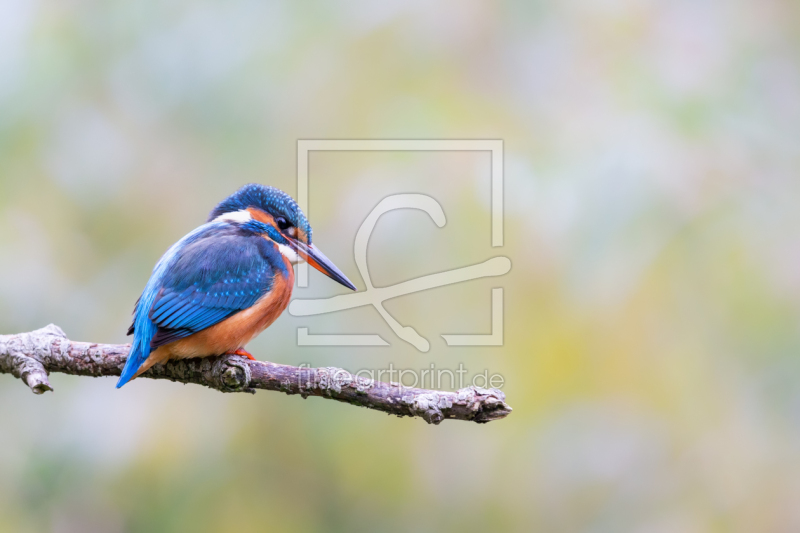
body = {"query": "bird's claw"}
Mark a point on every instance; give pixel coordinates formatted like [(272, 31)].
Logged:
[(244, 353)]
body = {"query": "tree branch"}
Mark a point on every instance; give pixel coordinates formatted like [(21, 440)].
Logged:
[(32, 356)]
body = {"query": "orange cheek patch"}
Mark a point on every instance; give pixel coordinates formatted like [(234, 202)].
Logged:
[(261, 216)]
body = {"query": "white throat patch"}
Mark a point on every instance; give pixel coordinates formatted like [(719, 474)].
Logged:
[(289, 254)]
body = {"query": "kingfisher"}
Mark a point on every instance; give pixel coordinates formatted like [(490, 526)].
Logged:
[(225, 282)]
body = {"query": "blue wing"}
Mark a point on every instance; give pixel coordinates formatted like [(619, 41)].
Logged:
[(210, 275)]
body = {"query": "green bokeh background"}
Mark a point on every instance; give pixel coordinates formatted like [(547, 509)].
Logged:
[(652, 314)]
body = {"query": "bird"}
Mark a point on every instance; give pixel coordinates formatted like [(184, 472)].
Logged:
[(223, 283)]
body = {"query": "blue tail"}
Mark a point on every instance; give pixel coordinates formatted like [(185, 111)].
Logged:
[(135, 360), (144, 329)]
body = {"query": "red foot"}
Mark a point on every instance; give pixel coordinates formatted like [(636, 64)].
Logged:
[(244, 353)]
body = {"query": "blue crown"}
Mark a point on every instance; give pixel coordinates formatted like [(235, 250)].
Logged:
[(269, 199)]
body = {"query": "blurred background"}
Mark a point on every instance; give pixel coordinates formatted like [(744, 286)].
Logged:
[(652, 313)]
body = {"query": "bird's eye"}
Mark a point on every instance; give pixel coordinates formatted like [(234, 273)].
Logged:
[(282, 223)]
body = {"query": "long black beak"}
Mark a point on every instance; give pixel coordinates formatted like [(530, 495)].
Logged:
[(317, 259)]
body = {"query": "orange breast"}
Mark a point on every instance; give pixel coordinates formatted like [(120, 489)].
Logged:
[(238, 330)]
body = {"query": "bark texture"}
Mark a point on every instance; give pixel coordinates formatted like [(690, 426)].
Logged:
[(33, 356)]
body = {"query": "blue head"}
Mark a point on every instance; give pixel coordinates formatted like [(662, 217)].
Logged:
[(270, 201), (274, 215)]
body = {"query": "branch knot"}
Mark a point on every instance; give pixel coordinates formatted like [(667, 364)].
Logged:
[(233, 374)]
